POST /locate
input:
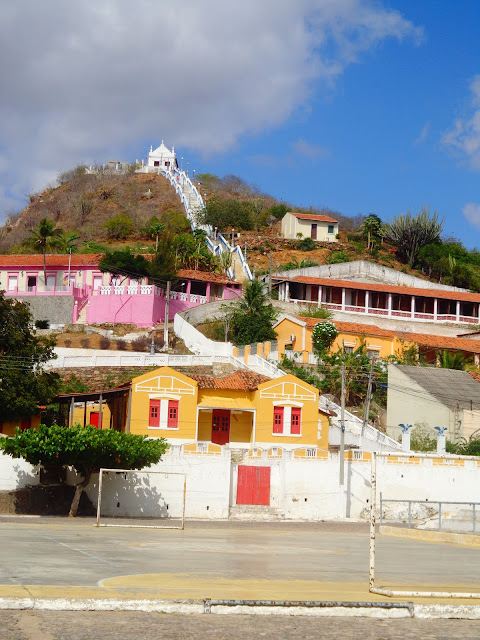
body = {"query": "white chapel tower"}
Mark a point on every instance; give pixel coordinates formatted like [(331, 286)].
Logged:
[(162, 158)]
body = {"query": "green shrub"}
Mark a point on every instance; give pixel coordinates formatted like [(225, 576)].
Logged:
[(337, 257), (307, 244), (119, 227)]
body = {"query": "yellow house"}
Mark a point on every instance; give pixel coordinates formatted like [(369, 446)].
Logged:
[(297, 331), (8, 427), (242, 409)]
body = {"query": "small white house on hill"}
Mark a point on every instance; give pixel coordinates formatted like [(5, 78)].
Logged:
[(316, 227)]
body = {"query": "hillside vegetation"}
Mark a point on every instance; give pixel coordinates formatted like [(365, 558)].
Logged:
[(109, 210)]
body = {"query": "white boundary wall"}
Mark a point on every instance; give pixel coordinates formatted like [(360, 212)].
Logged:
[(208, 487), (301, 489), (16, 473)]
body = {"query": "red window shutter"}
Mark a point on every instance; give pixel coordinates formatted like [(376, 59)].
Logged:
[(296, 423), (172, 422), (278, 419), (154, 413)]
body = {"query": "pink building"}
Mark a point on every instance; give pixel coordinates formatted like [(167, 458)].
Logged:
[(80, 292)]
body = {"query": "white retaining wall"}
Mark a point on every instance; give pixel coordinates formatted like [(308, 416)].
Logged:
[(207, 496), (301, 489), (16, 473)]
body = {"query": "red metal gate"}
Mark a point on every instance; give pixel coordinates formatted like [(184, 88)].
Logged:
[(253, 485)]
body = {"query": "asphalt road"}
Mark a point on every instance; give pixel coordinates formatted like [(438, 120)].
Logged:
[(50, 625)]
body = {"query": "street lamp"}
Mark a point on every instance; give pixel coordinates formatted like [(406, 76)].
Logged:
[(187, 168), (181, 165)]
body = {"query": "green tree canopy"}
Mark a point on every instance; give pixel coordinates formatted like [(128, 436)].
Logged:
[(252, 317), (160, 268), (23, 383), (87, 449), (225, 213), (323, 336), (119, 227)]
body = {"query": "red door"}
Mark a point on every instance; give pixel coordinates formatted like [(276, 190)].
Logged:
[(221, 426), (314, 232), (253, 485), (94, 416)]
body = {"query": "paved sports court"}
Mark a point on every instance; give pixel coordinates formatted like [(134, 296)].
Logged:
[(61, 557)]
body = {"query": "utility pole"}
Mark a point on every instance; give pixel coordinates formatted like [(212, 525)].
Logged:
[(270, 275), (368, 399), (341, 481), (167, 310)]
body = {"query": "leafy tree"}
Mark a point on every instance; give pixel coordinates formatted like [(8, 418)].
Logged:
[(372, 229), (252, 316), (191, 252), (323, 336), (153, 229), (410, 233), (160, 268), (278, 210), (87, 449), (124, 262), (119, 227), (23, 383), (357, 364), (225, 213), (43, 239)]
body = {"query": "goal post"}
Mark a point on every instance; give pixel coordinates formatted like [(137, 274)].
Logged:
[(177, 491), (373, 535)]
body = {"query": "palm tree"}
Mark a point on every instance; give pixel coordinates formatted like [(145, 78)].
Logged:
[(44, 238), (452, 360), (67, 242)]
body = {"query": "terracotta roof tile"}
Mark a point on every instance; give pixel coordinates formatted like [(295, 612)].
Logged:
[(423, 339), (240, 380), (311, 216), (475, 375), (384, 288), (92, 260), (53, 260), (206, 276)]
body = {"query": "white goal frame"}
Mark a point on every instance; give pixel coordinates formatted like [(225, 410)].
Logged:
[(140, 526), (373, 505)]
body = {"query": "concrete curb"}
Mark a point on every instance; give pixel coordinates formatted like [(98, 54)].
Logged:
[(428, 535), (377, 610)]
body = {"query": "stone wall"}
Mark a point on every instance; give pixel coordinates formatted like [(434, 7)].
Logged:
[(101, 378), (55, 309)]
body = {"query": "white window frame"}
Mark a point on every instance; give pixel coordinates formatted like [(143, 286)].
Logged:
[(287, 419)]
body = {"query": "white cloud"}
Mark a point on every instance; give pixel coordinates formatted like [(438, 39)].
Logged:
[(87, 81), (309, 150), (465, 135), (423, 135), (471, 211)]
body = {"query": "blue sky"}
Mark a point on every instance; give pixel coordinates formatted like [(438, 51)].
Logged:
[(357, 105)]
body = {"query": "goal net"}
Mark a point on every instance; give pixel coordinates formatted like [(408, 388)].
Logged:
[(132, 498), (411, 549)]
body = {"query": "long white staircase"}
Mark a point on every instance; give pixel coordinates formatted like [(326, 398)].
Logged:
[(216, 242)]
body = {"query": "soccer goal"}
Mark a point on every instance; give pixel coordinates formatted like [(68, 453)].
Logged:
[(435, 556), (141, 499)]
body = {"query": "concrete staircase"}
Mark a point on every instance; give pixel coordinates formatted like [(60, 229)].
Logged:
[(254, 512)]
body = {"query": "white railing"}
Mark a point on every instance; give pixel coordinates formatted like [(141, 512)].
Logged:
[(393, 313), (118, 359)]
